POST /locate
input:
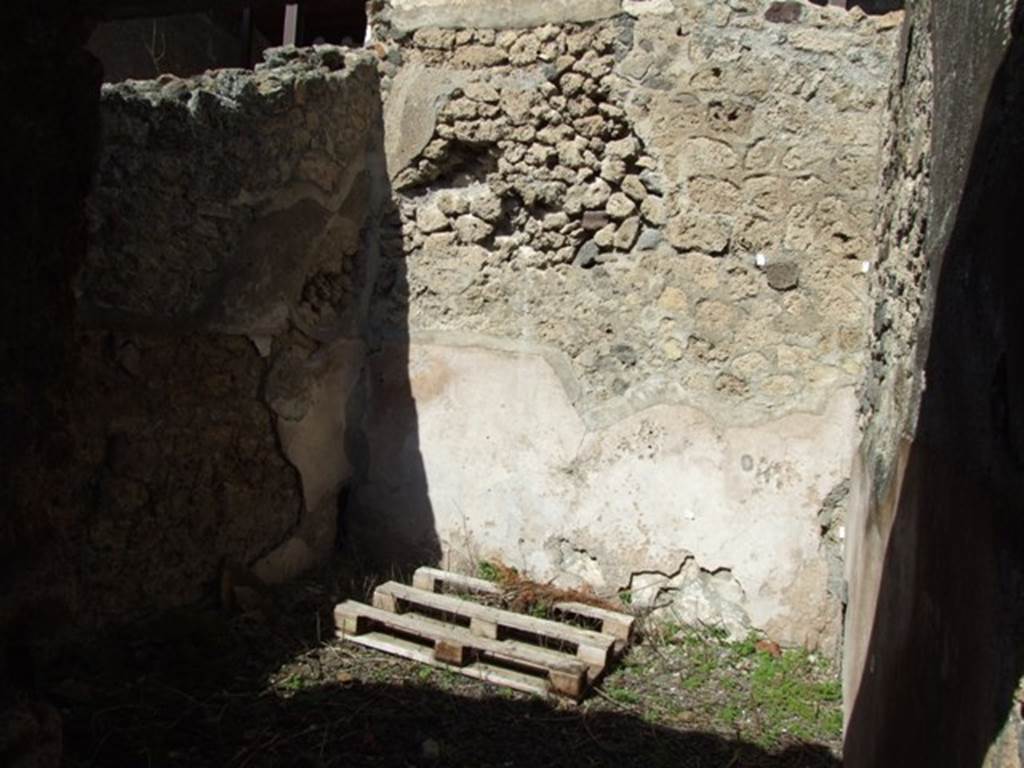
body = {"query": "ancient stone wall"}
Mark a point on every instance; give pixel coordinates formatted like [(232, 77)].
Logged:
[(222, 302), (632, 242), (715, 165)]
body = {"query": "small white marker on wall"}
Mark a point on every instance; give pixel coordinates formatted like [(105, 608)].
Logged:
[(865, 267), (841, 533), (760, 259)]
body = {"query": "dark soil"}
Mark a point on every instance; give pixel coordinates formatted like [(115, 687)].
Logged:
[(202, 687)]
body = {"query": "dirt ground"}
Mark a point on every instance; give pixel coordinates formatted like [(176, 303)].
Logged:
[(271, 687)]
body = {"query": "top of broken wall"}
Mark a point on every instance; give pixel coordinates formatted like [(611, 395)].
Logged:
[(406, 16), (410, 15), (220, 193), (758, 126)]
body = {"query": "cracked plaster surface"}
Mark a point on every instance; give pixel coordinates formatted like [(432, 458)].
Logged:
[(514, 472)]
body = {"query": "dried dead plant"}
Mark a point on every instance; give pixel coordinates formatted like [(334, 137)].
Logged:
[(520, 593)]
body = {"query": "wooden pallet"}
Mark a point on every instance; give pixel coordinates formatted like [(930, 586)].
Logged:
[(517, 665), (523, 652), (618, 625), (592, 648)]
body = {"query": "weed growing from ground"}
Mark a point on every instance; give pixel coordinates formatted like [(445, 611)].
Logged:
[(698, 677), (488, 570)]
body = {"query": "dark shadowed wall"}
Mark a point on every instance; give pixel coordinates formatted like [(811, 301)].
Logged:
[(934, 627), (49, 87)]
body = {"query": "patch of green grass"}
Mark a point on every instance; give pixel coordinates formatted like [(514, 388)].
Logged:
[(380, 673), (745, 648), (294, 682), (623, 695), (734, 687), (488, 570), (831, 690), (670, 630), (730, 712), (540, 610), (720, 634), (449, 677), (791, 700), (696, 678), (703, 657)]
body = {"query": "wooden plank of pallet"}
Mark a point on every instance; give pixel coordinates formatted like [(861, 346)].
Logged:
[(479, 670), (439, 631), (615, 623), (433, 579), (594, 648), (618, 625), (458, 647)]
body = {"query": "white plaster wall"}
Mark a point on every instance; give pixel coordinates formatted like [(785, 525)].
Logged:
[(724, 515)]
